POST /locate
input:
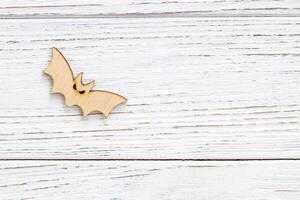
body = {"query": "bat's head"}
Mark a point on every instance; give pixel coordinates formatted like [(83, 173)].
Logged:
[(80, 87)]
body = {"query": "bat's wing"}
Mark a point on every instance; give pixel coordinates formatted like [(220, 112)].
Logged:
[(102, 101), (60, 72)]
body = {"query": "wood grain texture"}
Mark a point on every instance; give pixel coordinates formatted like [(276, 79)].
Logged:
[(145, 8), (198, 88), (150, 180)]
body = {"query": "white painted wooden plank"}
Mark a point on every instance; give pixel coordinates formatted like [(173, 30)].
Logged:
[(127, 8), (150, 180), (197, 88)]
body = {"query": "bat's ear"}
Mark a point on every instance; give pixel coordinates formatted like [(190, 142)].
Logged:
[(90, 85), (78, 78)]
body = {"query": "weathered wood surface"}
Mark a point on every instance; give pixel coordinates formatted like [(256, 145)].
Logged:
[(150, 180), (205, 80), (197, 88), (152, 8)]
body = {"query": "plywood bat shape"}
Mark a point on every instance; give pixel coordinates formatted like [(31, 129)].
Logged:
[(77, 93)]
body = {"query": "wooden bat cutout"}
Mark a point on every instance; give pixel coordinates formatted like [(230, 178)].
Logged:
[(77, 93)]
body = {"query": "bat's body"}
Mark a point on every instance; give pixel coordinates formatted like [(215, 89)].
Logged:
[(77, 93)]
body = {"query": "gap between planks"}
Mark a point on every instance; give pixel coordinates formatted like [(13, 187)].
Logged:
[(150, 159)]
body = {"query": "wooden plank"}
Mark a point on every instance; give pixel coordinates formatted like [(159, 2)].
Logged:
[(145, 8), (150, 180), (196, 88)]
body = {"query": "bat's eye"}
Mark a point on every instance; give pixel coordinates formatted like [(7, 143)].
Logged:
[(74, 86), (82, 92)]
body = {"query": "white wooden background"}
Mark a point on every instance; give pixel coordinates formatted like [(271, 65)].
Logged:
[(213, 110)]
